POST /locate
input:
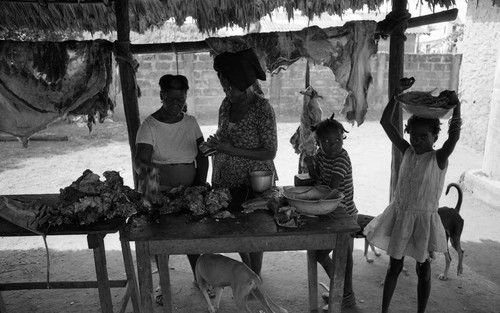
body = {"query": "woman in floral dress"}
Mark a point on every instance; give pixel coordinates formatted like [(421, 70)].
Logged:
[(246, 139)]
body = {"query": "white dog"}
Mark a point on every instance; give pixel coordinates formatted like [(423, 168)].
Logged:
[(219, 271)]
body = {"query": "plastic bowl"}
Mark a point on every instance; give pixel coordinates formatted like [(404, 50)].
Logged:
[(261, 181), (317, 200), (426, 112)]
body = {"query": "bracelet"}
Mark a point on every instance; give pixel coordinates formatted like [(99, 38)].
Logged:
[(455, 128), (455, 121)]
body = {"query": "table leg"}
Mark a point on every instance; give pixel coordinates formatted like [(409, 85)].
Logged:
[(144, 275), (131, 278), (312, 274), (337, 283), (3, 309), (165, 283), (96, 243)]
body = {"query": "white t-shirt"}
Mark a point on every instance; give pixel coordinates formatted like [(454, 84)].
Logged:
[(172, 143)]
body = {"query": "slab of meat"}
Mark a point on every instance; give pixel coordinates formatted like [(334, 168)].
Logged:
[(42, 81), (345, 50)]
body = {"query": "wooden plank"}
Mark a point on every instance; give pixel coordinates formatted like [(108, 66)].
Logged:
[(173, 47), (312, 274), (125, 298), (59, 285), (101, 270), (396, 72), (144, 275), (338, 273), (132, 286), (3, 308), (48, 137), (166, 291), (127, 76), (256, 224), (444, 16)]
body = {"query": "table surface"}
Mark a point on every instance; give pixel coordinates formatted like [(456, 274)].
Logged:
[(10, 229), (255, 224)]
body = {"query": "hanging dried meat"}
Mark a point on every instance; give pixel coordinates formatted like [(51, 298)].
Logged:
[(345, 50), (42, 81), (303, 140)]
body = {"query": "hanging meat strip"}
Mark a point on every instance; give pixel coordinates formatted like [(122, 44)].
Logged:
[(303, 140)]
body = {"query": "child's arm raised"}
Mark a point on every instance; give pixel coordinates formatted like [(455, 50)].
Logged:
[(455, 123), (386, 119)]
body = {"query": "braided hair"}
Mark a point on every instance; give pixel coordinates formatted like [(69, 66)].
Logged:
[(327, 125)]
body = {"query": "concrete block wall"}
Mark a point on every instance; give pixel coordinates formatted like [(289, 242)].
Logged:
[(205, 94), (480, 49)]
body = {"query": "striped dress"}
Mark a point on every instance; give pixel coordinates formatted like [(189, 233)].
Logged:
[(339, 165)]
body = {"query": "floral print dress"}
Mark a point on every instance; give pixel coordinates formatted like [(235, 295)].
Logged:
[(257, 129)]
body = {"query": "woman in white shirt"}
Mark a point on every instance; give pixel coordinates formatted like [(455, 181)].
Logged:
[(168, 139)]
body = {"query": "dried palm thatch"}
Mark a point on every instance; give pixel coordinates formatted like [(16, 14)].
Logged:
[(210, 15)]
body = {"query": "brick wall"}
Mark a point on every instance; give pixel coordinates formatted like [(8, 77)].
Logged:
[(283, 90)]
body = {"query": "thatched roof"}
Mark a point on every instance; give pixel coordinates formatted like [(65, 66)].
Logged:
[(210, 15)]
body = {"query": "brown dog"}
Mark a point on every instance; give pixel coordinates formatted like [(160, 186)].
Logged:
[(453, 225), (220, 271)]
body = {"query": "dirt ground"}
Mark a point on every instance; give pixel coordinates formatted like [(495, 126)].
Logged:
[(45, 167)]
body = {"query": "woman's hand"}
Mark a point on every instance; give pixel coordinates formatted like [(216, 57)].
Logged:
[(221, 144)]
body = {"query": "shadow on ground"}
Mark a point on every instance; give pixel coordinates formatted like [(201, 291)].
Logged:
[(284, 275)]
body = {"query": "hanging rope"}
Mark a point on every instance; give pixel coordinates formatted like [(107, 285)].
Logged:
[(123, 55), (176, 57), (394, 22), (307, 74)]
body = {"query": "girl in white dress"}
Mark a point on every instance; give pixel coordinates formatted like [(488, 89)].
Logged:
[(410, 225)]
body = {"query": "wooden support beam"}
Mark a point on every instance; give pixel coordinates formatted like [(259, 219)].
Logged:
[(178, 47), (59, 285), (445, 16), (127, 76), (49, 2), (396, 72)]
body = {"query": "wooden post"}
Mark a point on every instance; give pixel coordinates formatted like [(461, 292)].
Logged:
[(127, 76), (396, 72)]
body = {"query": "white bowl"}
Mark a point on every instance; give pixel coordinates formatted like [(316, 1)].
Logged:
[(261, 181), (313, 200)]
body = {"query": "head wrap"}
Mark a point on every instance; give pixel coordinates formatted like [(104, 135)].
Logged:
[(169, 82), (241, 68)]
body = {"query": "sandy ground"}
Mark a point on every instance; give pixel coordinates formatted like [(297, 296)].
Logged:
[(45, 167)]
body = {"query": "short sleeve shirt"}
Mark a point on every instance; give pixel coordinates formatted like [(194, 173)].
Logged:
[(172, 143), (340, 165)]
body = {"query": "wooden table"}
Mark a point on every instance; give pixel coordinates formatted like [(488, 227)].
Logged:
[(252, 232), (95, 238)]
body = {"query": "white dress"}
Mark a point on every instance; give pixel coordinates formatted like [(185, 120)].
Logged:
[(410, 225)]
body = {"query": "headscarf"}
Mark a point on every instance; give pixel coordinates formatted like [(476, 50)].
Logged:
[(177, 82), (241, 68)]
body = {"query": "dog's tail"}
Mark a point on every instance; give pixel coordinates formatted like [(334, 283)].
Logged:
[(267, 301), (460, 195)]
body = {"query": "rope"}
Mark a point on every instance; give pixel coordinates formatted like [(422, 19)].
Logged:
[(124, 56), (394, 22), (176, 57), (307, 74)]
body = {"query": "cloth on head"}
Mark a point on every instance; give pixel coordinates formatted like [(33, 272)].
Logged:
[(241, 68), (177, 82)]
